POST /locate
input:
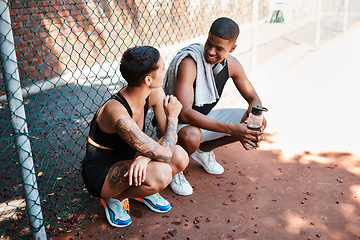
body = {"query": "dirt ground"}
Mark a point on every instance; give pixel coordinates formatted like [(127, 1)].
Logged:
[(260, 196), (303, 183)]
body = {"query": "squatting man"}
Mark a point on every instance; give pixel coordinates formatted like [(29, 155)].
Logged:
[(197, 76)]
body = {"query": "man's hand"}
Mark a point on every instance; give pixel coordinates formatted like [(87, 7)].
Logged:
[(264, 124), (172, 106), (245, 135), (137, 170)]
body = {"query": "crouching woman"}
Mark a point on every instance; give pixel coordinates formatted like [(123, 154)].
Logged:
[(121, 161)]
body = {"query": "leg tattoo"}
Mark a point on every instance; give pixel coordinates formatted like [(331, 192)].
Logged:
[(116, 175)]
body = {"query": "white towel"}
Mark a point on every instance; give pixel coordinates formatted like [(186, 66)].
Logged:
[(205, 91)]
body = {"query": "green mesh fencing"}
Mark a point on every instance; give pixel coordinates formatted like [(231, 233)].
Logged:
[(67, 59)]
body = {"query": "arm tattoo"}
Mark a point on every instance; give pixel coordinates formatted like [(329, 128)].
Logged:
[(131, 133), (116, 175), (169, 138), (164, 158)]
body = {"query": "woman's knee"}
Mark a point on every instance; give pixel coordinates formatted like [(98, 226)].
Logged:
[(180, 158), (190, 138), (161, 177), (165, 177)]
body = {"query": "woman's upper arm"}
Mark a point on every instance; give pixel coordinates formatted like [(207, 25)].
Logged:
[(128, 130)]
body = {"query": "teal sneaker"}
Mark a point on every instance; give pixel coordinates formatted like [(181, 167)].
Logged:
[(156, 203), (117, 212)]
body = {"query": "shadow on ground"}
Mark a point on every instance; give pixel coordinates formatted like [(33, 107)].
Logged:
[(262, 195)]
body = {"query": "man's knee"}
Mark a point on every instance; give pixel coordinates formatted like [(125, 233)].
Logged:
[(190, 138)]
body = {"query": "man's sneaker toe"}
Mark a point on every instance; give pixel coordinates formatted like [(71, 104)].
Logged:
[(208, 162)]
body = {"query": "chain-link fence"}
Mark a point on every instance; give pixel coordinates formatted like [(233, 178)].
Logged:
[(59, 63)]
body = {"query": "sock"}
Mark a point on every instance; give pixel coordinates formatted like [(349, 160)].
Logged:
[(199, 150)]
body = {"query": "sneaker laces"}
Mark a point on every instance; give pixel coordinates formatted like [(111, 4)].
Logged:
[(124, 206), (157, 196), (211, 159), (180, 178)]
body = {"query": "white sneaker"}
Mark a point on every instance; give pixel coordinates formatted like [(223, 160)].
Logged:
[(180, 185), (207, 160)]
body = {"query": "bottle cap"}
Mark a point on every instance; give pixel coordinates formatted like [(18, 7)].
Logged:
[(258, 109)]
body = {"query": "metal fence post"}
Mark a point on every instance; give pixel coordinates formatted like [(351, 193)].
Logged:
[(346, 12), (18, 122), (318, 24), (254, 41)]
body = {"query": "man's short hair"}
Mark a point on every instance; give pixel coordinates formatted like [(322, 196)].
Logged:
[(137, 62), (225, 28)]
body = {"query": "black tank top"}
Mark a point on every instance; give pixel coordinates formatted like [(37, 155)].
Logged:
[(114, 140), (220, 80)]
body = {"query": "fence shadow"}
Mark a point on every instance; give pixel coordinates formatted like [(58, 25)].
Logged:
[(58, 122)]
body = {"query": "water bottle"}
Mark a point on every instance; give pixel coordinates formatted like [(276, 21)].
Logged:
[(255, 120)]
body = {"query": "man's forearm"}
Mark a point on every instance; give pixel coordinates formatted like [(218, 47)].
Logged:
[(253, 102)]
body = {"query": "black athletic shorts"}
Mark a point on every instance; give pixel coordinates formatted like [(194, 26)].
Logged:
[(95, 167)]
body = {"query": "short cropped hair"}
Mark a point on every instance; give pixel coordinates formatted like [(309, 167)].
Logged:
[(137, 62), (225, 28)]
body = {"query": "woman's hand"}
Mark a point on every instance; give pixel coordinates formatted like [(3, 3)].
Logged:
[(172, 106), (137, 170)]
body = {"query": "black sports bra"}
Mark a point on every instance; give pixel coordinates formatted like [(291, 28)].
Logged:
[(114, 140)]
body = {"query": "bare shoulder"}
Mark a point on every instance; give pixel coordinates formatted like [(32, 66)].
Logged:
[(156, 96), (113, 110), (110, 112), (188, 60), (186, 75), (235, 67), (187, 66), (113, 106)]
